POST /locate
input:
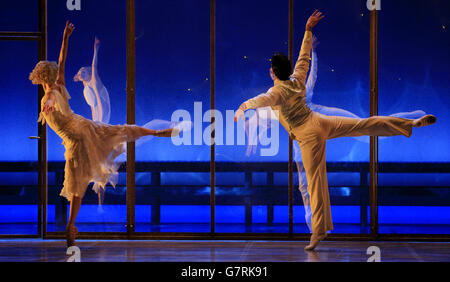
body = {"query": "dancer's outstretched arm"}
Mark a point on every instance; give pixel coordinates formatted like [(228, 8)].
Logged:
[(60, 79), (95, 59), (302, 65), (96, 82), (271, 98), (49, 98)]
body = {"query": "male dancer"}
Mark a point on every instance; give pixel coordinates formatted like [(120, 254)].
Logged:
[(312, 129)]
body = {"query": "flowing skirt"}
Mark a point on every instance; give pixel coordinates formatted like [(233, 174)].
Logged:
[(91, 148)]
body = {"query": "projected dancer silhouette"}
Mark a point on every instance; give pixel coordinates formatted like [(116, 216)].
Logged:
[(334, 111), (91, 146), (312, 129), (97, 97), (94, 91), (260, 122)]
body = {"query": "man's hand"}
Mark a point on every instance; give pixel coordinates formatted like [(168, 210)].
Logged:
[(240, 113), (69, 29), (313, 20)]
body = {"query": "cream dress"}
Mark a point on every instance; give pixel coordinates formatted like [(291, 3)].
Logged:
[(91, 147)]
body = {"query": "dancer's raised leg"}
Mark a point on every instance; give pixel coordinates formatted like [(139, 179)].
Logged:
[(160, 133), (374, 126)]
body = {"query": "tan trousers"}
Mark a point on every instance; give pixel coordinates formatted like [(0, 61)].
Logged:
[(312, 137)]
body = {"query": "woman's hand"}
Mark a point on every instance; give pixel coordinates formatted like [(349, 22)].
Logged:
[(69, 29)]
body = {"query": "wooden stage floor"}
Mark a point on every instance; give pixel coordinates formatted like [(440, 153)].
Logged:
[(38, 250)]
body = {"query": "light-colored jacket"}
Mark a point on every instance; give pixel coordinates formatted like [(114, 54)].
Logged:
[(288, 97)]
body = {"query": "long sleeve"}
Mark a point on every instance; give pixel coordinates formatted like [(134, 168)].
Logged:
[(270, 98), (302, 65)]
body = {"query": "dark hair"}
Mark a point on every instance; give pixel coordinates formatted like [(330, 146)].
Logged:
[(281, 66)]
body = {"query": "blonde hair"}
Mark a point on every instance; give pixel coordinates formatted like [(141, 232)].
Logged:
[(44, 72)]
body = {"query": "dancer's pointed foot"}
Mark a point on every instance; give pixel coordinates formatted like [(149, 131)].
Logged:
[(424, 121), (71, 233), (315, 240), (175, 132), (171, 132)]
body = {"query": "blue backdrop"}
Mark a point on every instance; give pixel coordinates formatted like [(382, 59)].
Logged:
[(173, 72), (173, 66)]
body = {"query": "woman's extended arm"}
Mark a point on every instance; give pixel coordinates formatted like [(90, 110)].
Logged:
[(60, 79), (96, 82), (95, 59)]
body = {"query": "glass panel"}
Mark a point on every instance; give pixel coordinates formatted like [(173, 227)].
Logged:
[(108, 23), (341, 89), (248, 199), (172, 77), (19, 15), (414, 192), (19, 111)]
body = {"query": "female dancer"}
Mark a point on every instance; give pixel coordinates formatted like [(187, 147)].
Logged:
[(91, 147)]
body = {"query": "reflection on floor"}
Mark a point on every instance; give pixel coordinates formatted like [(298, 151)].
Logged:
[(339, 228), (37, 250)]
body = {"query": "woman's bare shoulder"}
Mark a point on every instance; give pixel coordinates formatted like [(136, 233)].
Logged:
[(51, 91)]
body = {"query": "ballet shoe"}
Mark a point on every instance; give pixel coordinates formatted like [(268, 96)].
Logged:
[(315, 240), (167, 132), (175, 132), (424, 121), (71, 233)]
